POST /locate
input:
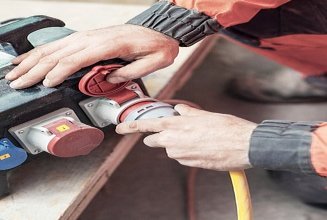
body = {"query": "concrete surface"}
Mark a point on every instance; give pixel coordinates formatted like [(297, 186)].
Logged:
[(150, 186)]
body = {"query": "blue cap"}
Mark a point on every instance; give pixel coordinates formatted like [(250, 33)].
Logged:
[(10, 155)]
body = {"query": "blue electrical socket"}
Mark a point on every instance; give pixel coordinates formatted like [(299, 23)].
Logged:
[(10, 155)]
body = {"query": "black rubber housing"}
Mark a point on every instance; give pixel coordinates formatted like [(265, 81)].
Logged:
[(19, 106)]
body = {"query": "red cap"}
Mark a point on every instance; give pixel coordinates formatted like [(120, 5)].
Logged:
[(95, 84), (73, 138)]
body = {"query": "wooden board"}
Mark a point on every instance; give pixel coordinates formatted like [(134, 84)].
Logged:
[(56, 188)]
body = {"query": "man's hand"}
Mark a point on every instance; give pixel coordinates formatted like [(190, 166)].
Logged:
[(198, 138), (54, 62)]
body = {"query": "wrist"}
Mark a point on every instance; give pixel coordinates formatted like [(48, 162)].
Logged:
[(150, 32), (250, 130)]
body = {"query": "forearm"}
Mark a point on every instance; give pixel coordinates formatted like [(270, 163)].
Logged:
[(293, 146)]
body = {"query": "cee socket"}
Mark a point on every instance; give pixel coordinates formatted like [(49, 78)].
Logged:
[(59, 133)]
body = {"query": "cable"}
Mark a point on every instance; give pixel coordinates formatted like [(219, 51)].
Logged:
[(191, 182), (238, 178), (242, 195)]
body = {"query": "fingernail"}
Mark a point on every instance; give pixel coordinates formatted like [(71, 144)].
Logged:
[(116, 79), (181, 105), (47, 83), (16, 84), (133, 125), (9, 76), (148, 142), (14, 61), (117, 129)]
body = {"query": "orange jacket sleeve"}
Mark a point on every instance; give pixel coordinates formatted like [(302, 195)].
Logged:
[(189, 21), (230, 12), (319, 149)]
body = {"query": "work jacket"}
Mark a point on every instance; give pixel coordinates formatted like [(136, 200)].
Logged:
[(291, 32)]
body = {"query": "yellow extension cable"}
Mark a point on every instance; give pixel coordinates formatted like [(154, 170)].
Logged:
[(242, 195), (239, 182)]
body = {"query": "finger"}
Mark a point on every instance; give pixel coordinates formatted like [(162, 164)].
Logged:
[(117, 79), (166, 139), (30, 59), (136, 69), (142, 126), (47, 48), (71, 64), (38, 72), (20, 58), (149, 125), (153, 140), (28, 63), (188, 110)]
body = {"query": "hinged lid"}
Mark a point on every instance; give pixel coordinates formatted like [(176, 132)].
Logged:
[(95, 84)]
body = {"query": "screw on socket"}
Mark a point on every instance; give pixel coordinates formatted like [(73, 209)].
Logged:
[(59, 133), (117, 103)]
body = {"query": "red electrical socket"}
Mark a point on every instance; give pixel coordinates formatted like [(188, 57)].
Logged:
[(95, 84)]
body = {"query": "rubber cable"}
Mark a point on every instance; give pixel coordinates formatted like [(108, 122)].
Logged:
[(238, 178)]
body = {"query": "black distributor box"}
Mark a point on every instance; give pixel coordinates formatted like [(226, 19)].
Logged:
[(53, 115)]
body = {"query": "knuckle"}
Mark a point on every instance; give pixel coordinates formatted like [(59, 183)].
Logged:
[(169, 58), (48, 60), (170, 154), (38, 52), (65, 61), (68, 61), (162, 57), (164, 124), (134, 126), (169, 61), (17, 70)]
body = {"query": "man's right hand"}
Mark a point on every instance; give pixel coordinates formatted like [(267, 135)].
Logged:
[(147, 50)]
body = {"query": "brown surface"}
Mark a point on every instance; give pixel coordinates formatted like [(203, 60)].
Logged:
[(148, 185)]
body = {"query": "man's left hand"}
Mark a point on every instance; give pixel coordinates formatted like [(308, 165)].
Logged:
[(198, 138)]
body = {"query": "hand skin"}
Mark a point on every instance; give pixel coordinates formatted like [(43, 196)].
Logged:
[(198, 138), (147, 50)]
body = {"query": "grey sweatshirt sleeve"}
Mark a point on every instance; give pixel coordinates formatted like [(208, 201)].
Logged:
[(283, 145), (186, 26)]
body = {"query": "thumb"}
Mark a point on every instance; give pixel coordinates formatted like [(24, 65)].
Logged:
[(186, 110)]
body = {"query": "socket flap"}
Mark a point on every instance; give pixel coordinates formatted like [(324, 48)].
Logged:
[(95, 84)]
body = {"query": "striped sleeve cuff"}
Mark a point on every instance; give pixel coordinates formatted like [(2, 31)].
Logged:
[(184, 25), (283, 145)]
